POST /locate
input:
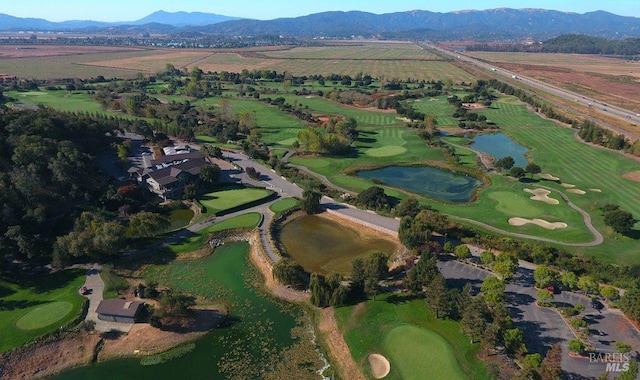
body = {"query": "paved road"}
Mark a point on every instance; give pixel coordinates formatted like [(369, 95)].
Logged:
[(95, 285)]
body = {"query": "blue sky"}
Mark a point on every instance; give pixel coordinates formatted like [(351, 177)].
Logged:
[(129, 10)]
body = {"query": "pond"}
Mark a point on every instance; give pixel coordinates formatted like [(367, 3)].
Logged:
[(179, 218), (255, 342), (323, 246), (426, 180), (499, 145)]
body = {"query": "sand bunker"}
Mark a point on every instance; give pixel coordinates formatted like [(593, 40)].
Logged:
[(404, 119), (577, 191), (634, 176), (380, 366), (549, 177), (542, 195), (567, 185), (596, 190), (538, 222)]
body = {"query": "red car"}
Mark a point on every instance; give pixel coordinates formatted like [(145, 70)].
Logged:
[(84, 291)]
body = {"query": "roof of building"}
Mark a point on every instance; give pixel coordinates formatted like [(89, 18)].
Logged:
[(118, 307), (170, 174), (178, 157)]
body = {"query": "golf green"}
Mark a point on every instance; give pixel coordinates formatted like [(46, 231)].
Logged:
[(417, 353), (44, 315), (385, 151)]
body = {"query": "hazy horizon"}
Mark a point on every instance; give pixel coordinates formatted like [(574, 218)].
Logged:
[(121, 10)]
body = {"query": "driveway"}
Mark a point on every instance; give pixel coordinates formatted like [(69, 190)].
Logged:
[(95, 285)]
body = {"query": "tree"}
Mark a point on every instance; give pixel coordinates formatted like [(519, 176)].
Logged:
[(610, 293), (532, 169), (623, 347), (408, 207), (210, 174), (514, 341), (621, 221), (374, 198), (589, 285), (147, 224), (505, 163), (462, 251), (544, 276), (493, 290), (576, 345), (569, 280), (517, 172), (505, 266), (544, 297), (630, 303), (436, 296), (375, 269), (421, 274), (289, 272), (357, 275), (551, 367), (311, 201), (472, 323), (487, 258), (174, 305)]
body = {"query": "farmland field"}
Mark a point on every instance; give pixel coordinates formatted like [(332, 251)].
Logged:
[(615, 81)]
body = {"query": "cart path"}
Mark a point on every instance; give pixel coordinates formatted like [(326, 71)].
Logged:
[(95, 285)]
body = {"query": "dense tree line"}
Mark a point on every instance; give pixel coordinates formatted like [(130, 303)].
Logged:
[(569, 43)]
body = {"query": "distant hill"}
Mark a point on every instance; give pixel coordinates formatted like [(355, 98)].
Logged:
[(181, 19), (485, 25), (567, 43)]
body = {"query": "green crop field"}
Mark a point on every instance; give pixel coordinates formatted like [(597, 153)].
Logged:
[(38, 305), (366, 51), (408, 335)]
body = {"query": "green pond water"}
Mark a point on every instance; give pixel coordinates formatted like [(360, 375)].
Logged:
[(499, 145), (180, 218), (426, 180), (323, 246), (241, 351)]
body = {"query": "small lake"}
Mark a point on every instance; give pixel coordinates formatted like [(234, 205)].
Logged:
[(499, 145), (426, 180), (323, 246), (254, 343)]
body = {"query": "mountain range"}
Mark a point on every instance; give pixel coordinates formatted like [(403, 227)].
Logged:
[(498, 24)]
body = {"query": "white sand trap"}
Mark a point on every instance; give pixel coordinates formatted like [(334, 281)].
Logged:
[(596, 190), (405, 119), (538, 222), (568, 185), (380, 366), (309, 97), (577, 191), (549, 177), (542, 195)]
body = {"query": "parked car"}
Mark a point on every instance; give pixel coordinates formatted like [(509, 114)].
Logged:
[(596, 304), (84, 291)]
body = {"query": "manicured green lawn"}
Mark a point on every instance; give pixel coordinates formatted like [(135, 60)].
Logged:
[(37, 305), (283, 205), (218, 201), (408, 335), (198, 239)]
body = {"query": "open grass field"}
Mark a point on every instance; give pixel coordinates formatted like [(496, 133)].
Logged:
[(410, 337), (357, 51), (219, 201), (614, 81), (38, 305), (438, 107), (60, 100), (198, 239)]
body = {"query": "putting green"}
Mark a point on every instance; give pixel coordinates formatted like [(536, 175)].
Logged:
[(44, 315), (415, 352), (514, 204), (385, 151)]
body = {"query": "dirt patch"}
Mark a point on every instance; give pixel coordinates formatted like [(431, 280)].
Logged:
[(338, 349), (43, 360), (577, 191), (549, 177), (634, 176), (542, 195), (516, 221), (143, 339), (380, 366)]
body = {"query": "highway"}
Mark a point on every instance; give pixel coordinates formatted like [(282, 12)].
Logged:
[(620, 113)]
